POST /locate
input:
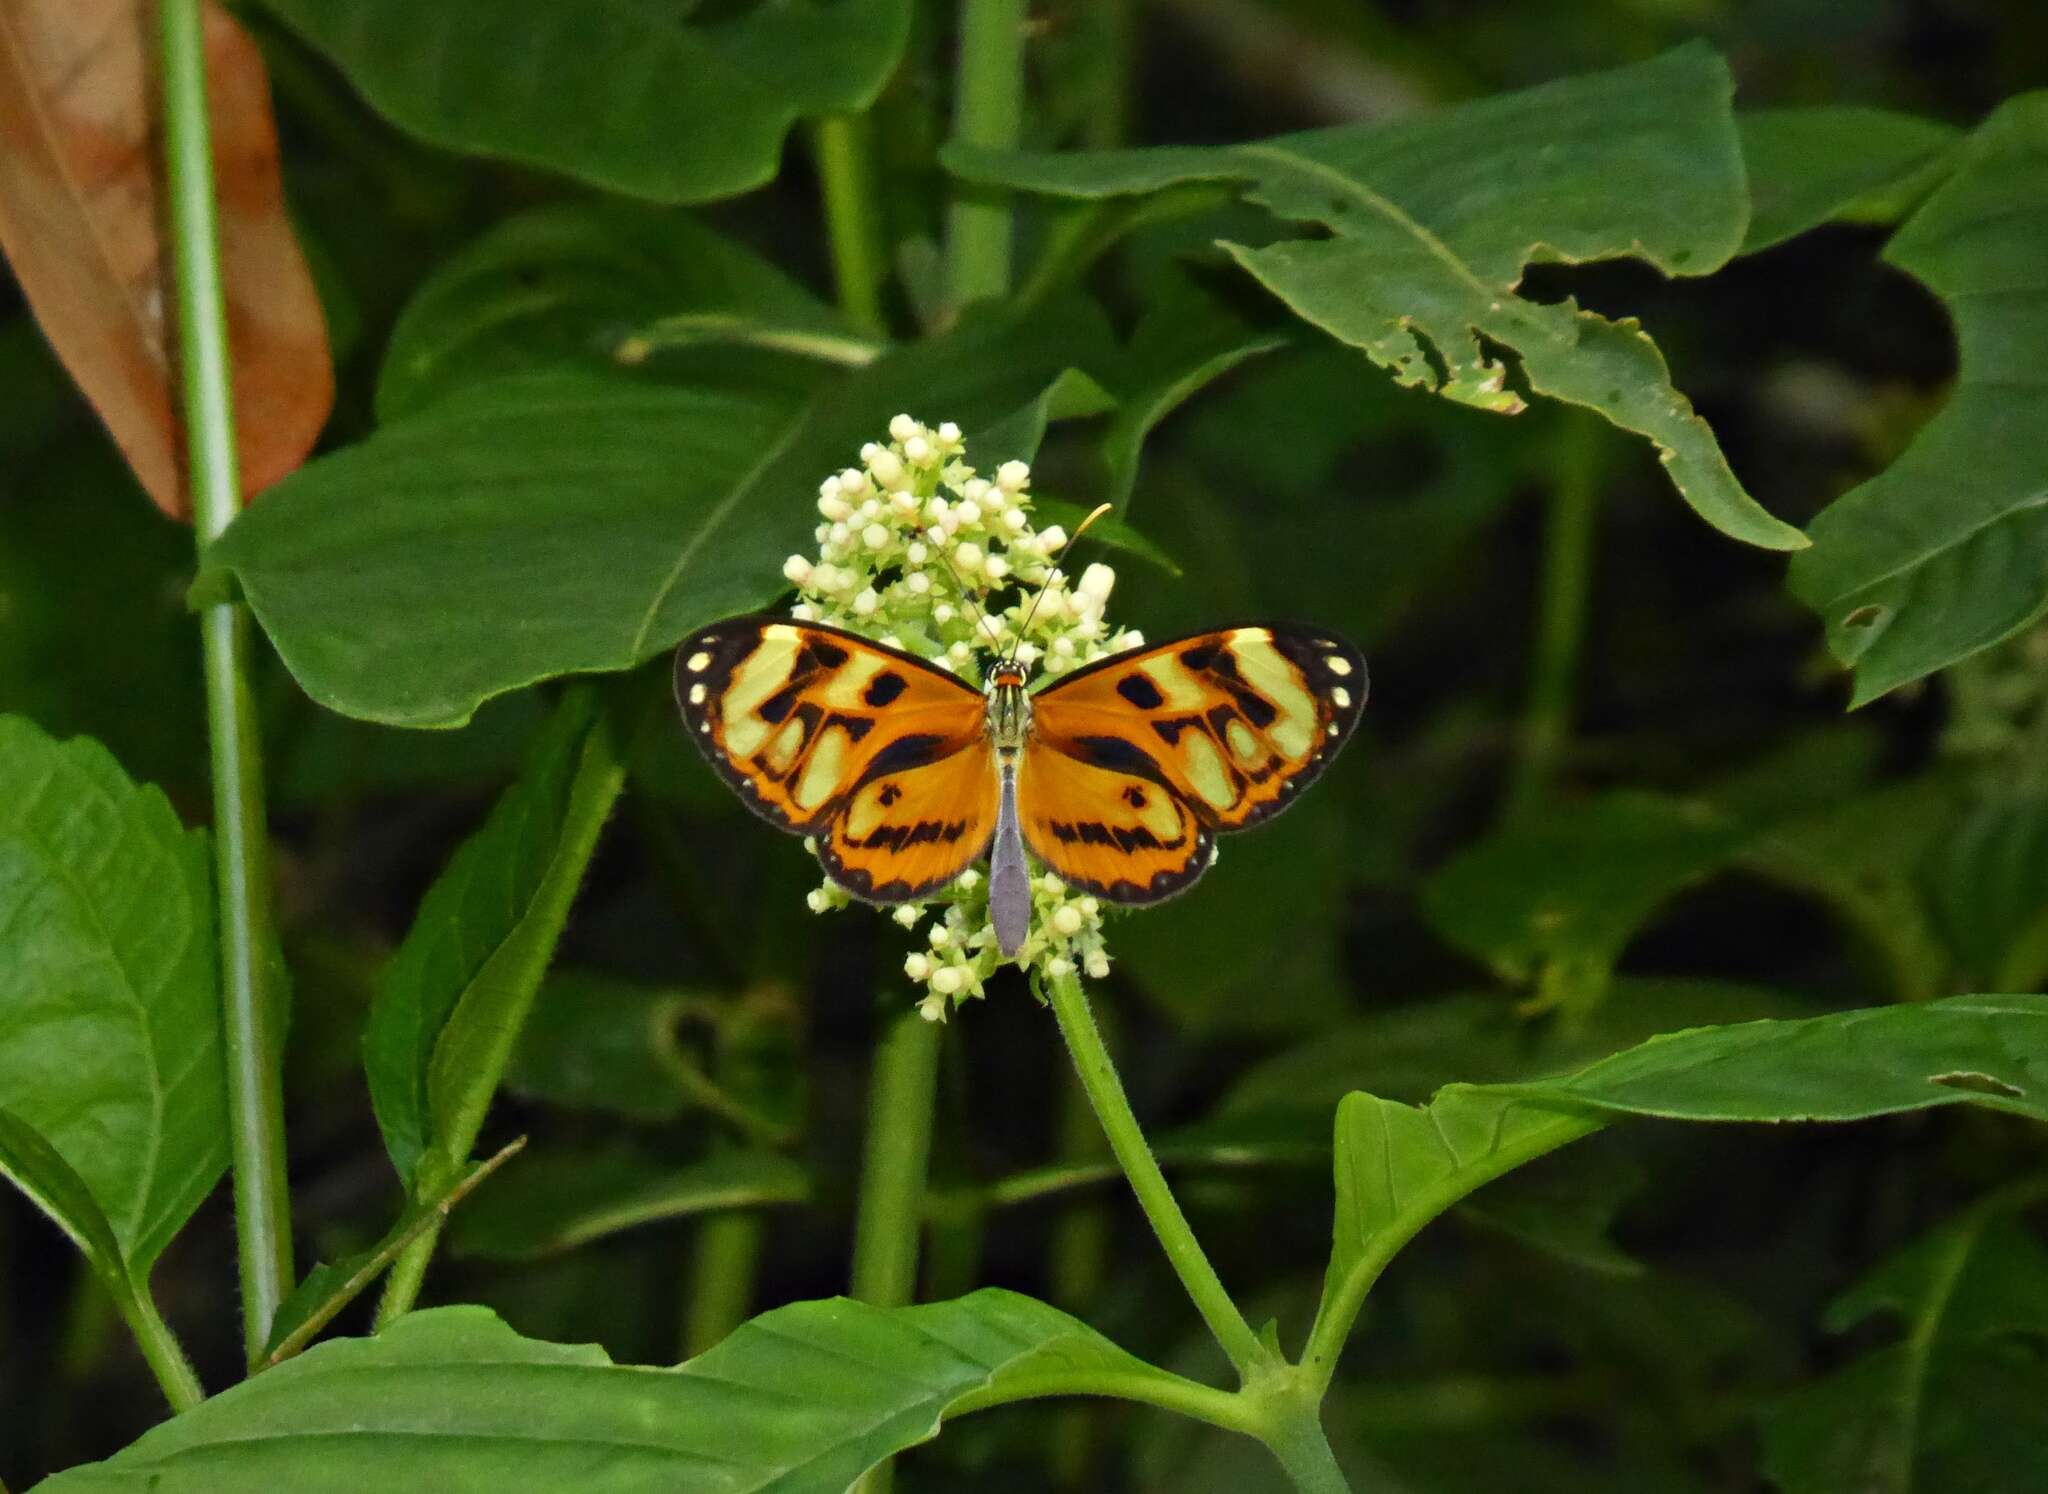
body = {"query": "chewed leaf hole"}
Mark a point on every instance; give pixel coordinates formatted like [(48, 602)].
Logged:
[(1976, 1083), (1863, 617)]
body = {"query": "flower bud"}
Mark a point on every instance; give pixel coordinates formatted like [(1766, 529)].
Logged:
[(1098, 966), (886, 467), (796, 570), (947, 980), (853, 482), (865, 602), (1098, 581), (902, 428), (917, 965), (875, 536), (968, 510), (917, 450), (1013, 477), (907, 914), (832, 506), (968, 556), (1066, 920)]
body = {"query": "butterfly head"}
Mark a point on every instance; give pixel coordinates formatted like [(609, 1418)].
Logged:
[(1006, 674)]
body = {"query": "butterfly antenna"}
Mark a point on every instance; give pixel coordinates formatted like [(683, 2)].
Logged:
[(936, 539), (1046, 585)]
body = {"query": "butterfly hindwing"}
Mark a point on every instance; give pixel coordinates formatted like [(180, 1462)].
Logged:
[(801, 719), (1232, 722), (902, 834), (1119, 834)]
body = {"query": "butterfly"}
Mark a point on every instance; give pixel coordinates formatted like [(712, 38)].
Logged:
[(1117, 777)]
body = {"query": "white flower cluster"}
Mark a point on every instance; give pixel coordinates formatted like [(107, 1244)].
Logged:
[(919, 552)]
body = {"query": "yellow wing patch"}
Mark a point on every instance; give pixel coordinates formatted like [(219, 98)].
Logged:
[(1233, 723), (877, 753)]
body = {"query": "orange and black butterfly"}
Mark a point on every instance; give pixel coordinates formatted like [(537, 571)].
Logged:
[(1118, 776)]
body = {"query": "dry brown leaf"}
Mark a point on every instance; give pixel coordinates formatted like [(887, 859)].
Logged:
[(82, 222)]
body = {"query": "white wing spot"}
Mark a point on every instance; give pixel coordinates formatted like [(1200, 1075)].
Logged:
[(698, 662), (1342, 697), (697, 693), (1339, 665)]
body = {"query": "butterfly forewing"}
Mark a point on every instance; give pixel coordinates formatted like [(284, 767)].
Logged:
[(801, 719), (1229, 725)]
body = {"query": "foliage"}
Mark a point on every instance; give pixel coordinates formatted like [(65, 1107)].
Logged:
[(1623, 1071)]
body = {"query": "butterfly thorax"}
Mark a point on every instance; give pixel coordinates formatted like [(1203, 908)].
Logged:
[(1009, 707)]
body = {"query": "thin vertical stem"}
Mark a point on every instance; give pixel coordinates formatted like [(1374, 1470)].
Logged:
[(1134, 1155), (166, 1359), (988, 109), (1298, 1441), (249, 973), (844, 147), (901, 1095), (722, 1273), (1563, 606), (1080, 1260)]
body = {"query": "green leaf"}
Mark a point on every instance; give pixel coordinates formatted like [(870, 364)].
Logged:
[(1945, 552), (594, 1043), (574, 283), (1862, 856), (560, 523), (1978, 1050), (554, 1201), (1956, 1403), (1837, 164), (1988, 882), (109, 1003), (1557, 897), (330, 1286), (1187, 340), (451, 1002), (801, 1400), (41, 1173), (1565, 1209), (640, 99), (1434, 220), (1399, 1166)]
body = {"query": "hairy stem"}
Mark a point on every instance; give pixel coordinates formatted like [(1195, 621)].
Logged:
[(901, 1095), (251, 1008), (1134, 1155), (844, 147), (1296, 1439), (1563, 606), (988, 109), (160, 1348)]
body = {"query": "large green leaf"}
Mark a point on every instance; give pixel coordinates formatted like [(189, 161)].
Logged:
[(799, 1401), (1955, 1404), (640, 98), (1836, 164), (1434, 219), (574, 283), (556, 523), (1987, 880), (558, 1200), (109, 1002), (1557, 897), (449, 1006), (1945, 552), (1399, 1166)]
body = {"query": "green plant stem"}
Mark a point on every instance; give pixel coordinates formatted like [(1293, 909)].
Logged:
[(1296, 1438), (988, 109), (1080, 1263), (722, 1273), (1563, 607), (901, 1096), (160, 1348), (844, 146), (251, 1008), (1134, 1155)]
